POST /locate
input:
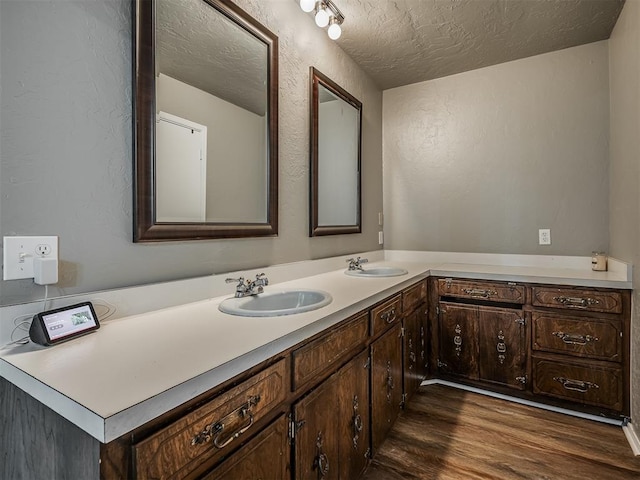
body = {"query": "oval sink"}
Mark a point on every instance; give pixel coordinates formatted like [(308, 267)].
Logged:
[(276, 303), (377, 272)]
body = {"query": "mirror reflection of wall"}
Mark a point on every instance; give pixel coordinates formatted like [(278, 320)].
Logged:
[(335, 158), (235, 151), (338, 166)]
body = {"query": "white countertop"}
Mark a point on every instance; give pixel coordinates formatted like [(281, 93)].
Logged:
[(138, 367)]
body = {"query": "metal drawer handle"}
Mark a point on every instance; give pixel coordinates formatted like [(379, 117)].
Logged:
[(476, 292), (216, 429), (389, 316), (578, 302), (389, 382), (575, 338), (321, 461), (576, 385)]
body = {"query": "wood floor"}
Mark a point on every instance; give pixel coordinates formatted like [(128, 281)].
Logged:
[(451, 434)]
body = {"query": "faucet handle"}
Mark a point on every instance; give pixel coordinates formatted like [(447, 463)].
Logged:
[(362, 260), (262, 279), (234, 280)]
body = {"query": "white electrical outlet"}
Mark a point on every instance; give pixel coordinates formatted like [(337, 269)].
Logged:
[(18, 254), (380, 238), (544, 236)]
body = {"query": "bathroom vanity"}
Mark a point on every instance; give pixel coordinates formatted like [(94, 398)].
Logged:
[(311, 395)]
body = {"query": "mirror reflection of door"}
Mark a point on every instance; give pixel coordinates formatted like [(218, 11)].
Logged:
[(181, 169), (338, 124)]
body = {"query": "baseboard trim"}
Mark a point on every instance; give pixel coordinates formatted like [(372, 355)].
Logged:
[(632, 438), (611, 421)]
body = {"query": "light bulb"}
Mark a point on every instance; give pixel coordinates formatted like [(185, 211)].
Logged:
[(334, 30), (307, 5), (322, 17)]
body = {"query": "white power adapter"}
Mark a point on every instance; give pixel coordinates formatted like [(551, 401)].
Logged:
[(45, 270)]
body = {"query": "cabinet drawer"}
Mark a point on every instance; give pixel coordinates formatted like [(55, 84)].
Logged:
[(310, 361), (196, 440), (583, 337), (577, 299), (490, 291), (414, 296), (385, 315), (588, 383)]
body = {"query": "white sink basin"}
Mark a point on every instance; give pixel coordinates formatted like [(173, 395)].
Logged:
[(377, 272), (276, 303)]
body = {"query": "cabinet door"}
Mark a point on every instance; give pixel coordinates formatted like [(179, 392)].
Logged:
[(502, 346), (265, 457), (386, 383), (412, 357), (458, 340), (354, 417), (317, 436)]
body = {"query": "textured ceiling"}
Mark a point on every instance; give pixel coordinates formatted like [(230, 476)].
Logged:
[(199, 46), (399, 42)]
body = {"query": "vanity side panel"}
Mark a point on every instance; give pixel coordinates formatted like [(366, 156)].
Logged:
[(36, 442)]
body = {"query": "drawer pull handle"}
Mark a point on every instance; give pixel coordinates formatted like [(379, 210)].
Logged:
[(216, 429), (389, 316), (575, 339), (457, 340), (576, 385), (577, 302), (357, 423), (476, 292), (501, 347), (321, 461), (390, 385)]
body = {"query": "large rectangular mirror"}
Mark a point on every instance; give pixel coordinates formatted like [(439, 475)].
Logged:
[(336, 123), (206, 122)]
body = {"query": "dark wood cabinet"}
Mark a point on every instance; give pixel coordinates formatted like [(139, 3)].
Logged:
[(332, 425), (564, 345), (483, 343), (265, 457), (386, 383), (414, 312)]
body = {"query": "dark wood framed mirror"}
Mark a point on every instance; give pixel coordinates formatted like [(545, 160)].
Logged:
[(205, 122), (335, 146)]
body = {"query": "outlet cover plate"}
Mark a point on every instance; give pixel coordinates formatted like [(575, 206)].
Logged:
[(544, 236), (18, 254)]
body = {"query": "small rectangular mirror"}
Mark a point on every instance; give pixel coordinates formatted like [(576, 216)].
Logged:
[(336, 123)]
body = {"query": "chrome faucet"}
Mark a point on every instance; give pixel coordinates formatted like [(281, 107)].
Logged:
[(248, 287), (356, 264)]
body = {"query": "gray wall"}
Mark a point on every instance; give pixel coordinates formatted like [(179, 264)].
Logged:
[(624, 53), (479, 161), (66, 166)]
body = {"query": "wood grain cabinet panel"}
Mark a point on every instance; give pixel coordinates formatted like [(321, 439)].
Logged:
[(502, 347), (386, 315), (332, 425), (386, 383), (589, 383), (577, 299), (324, 353), (414, 296), (198, 439), (480, 290), (599, 339), (265, 457), (458, 353)]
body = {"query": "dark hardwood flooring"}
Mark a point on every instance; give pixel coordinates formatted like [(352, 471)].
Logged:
[(450, 434)]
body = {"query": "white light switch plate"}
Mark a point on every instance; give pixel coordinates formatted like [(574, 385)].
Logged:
[(18, 254)]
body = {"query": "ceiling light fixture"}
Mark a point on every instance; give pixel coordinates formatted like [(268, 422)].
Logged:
[(325, 14), (307, 5)]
